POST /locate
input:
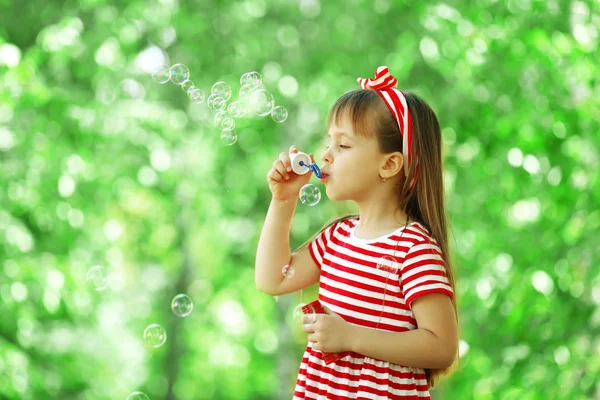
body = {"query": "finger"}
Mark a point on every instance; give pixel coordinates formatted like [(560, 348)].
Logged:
[(328, 311), (293, 149), (312, 157), (285, 159), (312, 337), (308, 328), (275, 175), (278, 165)]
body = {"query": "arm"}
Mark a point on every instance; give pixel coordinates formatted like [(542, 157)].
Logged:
[(274, 245), (274, 252), (434, 344)]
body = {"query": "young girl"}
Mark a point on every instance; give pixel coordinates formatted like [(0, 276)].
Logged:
[(385, 277)]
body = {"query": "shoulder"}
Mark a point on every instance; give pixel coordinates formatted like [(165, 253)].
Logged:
[(421, 238), (342, 225)]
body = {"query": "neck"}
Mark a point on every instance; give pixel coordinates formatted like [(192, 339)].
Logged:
[(380, 211)]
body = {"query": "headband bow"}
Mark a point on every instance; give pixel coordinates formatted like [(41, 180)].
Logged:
[(385, 84)]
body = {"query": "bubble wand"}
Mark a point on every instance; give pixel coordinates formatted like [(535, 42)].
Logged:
[(301, 164)]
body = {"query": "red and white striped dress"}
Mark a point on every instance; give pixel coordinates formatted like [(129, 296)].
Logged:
[(352, 286)]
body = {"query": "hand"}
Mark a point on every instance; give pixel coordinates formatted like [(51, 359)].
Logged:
[(284, 183), (329, 332)]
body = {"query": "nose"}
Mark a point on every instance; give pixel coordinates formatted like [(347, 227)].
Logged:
[(326, 156)]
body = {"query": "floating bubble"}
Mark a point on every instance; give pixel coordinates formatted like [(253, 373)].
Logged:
[(138, 396), (260, 102), (219, 116), (161, 74), (228, 138), (155, 335), (215, 102), (182, 305), (98, 277), (310, 194), (253, 79), (237, 108), (222, 89), (244, 78), (279, 114), (179, 74), (187, 85), (246, 90), (388, 264), (288, 271), (299, 314), (196, 95), (227, 123)]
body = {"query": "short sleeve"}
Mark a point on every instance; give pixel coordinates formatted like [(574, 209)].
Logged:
[(318, 246), (423, 271)]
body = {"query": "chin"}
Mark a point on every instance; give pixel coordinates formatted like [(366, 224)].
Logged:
[(335, 196)]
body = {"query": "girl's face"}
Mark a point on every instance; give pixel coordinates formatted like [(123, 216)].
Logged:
[(352, 163)]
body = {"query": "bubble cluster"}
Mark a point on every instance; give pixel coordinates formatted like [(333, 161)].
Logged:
[(254, 100), (179, 74)]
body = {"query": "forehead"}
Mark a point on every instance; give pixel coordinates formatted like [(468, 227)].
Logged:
[(341, 126)]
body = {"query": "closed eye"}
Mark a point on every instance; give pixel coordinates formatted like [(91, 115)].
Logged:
[(341, 146)]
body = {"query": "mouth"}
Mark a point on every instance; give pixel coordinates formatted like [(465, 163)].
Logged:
[(324, 177)]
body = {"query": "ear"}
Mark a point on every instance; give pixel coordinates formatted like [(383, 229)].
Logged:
[(392, 165)]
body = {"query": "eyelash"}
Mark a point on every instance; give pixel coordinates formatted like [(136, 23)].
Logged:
[(341, 146)]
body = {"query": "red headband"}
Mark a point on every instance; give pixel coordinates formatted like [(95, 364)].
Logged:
[(385, 84)]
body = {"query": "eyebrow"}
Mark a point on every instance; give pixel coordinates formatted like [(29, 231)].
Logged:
[(341, 134)]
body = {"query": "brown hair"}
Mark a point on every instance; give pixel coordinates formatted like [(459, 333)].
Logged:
[(370, 117)]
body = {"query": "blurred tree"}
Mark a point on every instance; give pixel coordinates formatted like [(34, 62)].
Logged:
[(100, 165)]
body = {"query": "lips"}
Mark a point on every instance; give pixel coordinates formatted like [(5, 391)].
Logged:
[(324, 176)]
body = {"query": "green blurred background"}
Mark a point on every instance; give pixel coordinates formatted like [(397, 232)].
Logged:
[(100, 165)]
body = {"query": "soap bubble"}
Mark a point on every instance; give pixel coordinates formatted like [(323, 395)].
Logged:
[(260, 102), (279, 114), (310, 194), (215, 102), (253, 79), (219, 116), (227, 123), (388, 264), (187, 85), (179, 74), (222, 89), (288, 271), (161, 74), (98, 277), (237, 108), (182, 305), (138, 396), (228, 138), (246, 90), (299, 314), (196, 95), (155, 335)]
